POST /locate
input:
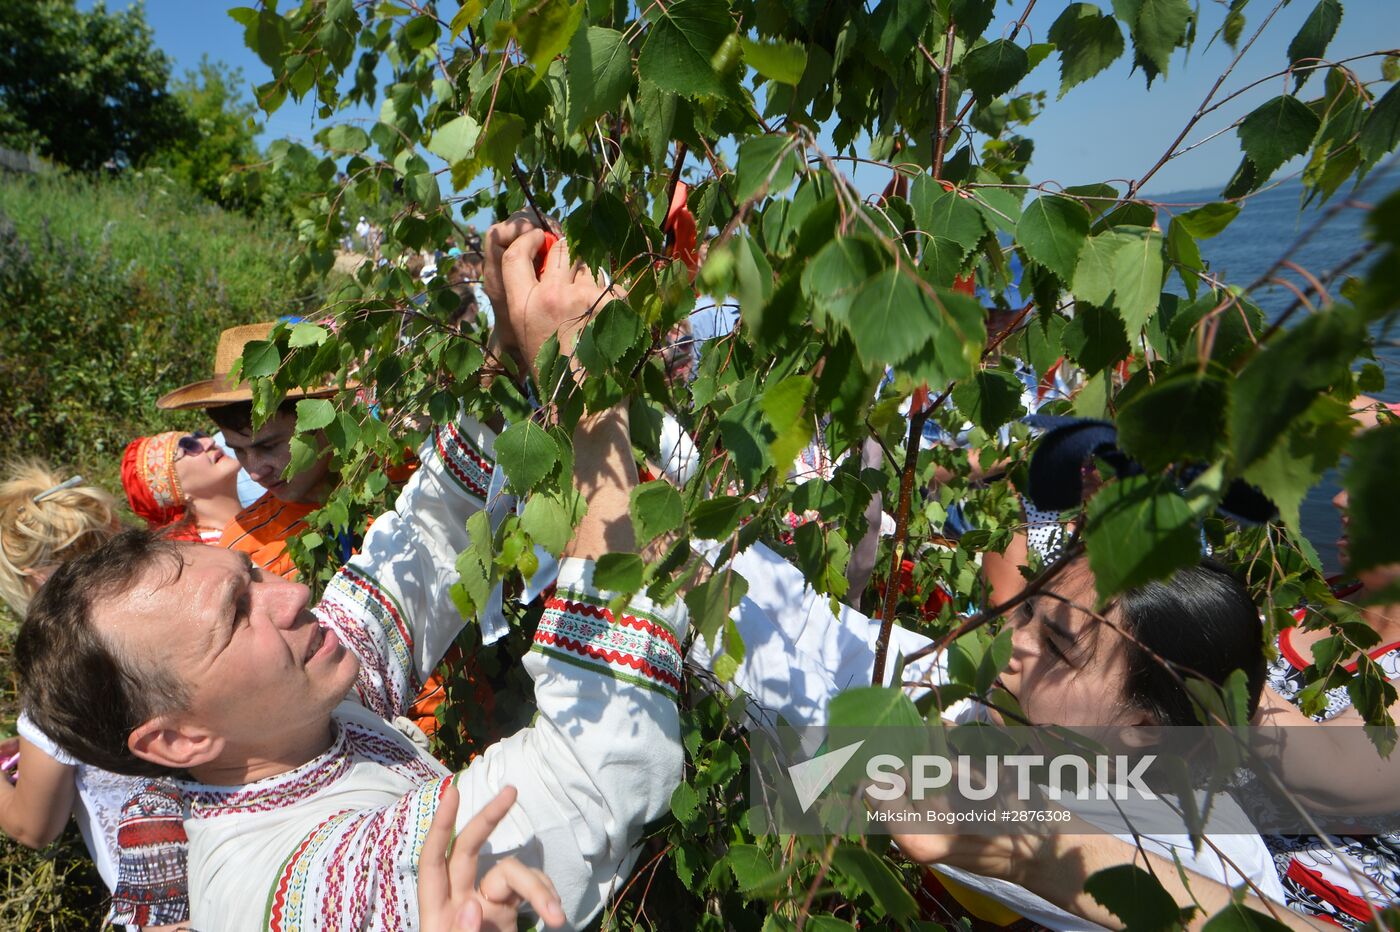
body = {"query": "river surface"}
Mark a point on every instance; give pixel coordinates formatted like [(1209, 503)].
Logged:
[(1264, 230)]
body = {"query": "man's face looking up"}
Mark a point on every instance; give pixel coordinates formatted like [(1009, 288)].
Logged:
[(261, 674), (265, 454)]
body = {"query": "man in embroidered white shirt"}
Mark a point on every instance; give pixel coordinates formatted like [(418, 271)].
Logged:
[(304, 808)]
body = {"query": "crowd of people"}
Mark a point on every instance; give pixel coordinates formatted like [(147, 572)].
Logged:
[(240, 758)]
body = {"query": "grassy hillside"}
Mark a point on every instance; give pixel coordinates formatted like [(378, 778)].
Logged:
[(112, 292)]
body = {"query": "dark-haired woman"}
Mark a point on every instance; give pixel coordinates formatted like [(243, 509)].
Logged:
[(1123, 667), (1070, 666)]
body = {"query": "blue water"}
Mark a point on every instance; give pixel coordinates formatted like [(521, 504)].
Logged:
[(1269, 223)]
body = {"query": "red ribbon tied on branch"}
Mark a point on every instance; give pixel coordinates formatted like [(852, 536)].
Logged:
[(679, 227)]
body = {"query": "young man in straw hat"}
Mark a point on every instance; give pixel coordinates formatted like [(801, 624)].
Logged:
[(262, 529), (304, 807)]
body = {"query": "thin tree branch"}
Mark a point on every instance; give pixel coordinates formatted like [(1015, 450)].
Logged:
[(524, 183), (901, 530), (816, 882), (1201, 111), (1073, 548), (1332, 274), (901, 536), (940, 135)]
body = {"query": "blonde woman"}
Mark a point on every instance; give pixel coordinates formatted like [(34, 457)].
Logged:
[(46, 519)]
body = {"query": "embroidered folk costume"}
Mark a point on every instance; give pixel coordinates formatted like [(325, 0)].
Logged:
[(97, 806), (335, 843)]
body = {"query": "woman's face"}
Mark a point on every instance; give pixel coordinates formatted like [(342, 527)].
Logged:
[(207, 473), (1068, 667)]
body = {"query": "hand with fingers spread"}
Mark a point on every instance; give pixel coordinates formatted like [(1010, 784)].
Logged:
[(450, 899), (556, 301)]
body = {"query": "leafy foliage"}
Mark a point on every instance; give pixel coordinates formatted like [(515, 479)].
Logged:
[(1316, 32), (221, 136), (1136, 897), (1088, 41), (1271, 135), (852, 312), (1368, 483), (124, 286)]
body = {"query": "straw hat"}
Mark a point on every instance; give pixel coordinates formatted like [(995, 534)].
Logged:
[(222, 389)]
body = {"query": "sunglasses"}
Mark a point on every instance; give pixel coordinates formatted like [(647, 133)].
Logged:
[(190, 444)]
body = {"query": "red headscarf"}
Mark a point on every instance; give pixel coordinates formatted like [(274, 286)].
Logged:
[(148, 476)]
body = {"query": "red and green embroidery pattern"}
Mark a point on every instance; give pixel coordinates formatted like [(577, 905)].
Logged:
[(357, 869), (634, 647), (464, 462), (375, 615)]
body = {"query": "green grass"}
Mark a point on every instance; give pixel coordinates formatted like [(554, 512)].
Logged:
[(56, 889), (112, 292)]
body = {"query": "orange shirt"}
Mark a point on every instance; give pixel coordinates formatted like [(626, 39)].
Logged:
[(261, 530)]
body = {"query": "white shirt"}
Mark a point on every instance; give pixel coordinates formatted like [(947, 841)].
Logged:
[(680, 458), (484, 311), (98, 807)]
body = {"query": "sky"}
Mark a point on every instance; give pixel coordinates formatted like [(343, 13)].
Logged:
[(1110, 127)]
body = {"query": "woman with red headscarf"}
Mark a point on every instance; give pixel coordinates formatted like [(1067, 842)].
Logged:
[(181, 480)]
